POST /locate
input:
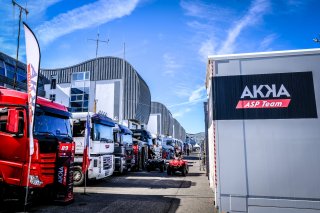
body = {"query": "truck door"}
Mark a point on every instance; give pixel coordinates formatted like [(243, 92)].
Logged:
[(13, 144)]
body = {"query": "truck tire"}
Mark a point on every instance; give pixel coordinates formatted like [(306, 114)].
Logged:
[(184, 171), (78, 176)]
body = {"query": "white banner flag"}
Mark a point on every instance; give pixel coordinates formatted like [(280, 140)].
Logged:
[(33, 66)]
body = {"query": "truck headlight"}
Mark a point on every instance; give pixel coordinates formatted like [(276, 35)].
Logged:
[(34, 180)]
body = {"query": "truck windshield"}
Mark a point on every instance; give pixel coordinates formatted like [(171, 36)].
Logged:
[(47, 123), (170, 143), (102, 132), (127, 139)]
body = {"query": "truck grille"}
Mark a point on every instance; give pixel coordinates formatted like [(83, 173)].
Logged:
[(107, 162), (47, 166)]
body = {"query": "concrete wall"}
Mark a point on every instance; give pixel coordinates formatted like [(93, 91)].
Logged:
[(62, 92)]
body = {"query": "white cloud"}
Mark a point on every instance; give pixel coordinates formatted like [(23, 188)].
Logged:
[(181, 112), (208, 11), (170, 64), (207, 48), (182, 90), (197, 94), (256, 11), (267, 41), (88, 15), (40, 6)]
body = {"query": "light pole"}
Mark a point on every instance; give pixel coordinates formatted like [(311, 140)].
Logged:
[(21, 9)]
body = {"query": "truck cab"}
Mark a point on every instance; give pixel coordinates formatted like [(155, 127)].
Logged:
[(51, 164), (124, 156), (169, 145), (101, 146), (143, 141)]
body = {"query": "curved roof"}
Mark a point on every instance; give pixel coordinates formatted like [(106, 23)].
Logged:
[(179, 131), (136, 94), (166, 118)]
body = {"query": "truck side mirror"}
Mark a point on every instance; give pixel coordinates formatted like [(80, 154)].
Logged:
[(13, 121)]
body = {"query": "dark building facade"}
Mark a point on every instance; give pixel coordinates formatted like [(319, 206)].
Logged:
[(8, 72)]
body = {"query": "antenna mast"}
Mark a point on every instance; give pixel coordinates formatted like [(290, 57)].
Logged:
[(21, 9)]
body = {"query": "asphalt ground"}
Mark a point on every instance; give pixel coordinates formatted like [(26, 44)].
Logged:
[(141, 192)]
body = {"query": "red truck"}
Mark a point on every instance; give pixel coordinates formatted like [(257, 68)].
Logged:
[(51, 171)]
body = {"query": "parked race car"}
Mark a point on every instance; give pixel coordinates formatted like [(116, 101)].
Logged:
[(178, 165)]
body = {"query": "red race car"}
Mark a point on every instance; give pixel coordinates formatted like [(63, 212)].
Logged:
[(178, 165)]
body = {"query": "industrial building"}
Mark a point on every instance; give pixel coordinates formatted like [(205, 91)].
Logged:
[(161, 122), (107, 84)]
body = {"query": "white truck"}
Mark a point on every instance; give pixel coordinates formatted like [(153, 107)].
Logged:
[(101, 146), (264, 131)]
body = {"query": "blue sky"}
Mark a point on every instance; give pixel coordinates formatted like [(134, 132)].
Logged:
[(167, 41)]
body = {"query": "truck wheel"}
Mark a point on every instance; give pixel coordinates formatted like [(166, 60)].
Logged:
[(184, 171), (78, 176)]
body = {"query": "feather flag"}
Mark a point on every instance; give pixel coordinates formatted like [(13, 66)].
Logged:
[(33, 65)]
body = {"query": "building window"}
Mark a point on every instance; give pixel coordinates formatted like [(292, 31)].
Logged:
[(2, 68), (52, 97), (80, 76), (53, 84), (79, 99)]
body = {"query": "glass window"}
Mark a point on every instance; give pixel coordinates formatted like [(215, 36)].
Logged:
[(52, 97), (87, 76), (127, 139), (76, 104), (10, 71), (47, 123), (102, 132), (53, 83), (85, 104), (80, 76), (2, 70), (21, 78), (86, 97), (79, 99), (78, 129)]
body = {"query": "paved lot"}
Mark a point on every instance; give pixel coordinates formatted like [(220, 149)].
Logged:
[(143, 192)]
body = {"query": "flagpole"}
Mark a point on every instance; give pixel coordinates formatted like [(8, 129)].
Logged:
[(86, 151), (33, 67)]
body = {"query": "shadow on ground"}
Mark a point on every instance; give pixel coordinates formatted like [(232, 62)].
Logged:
[(145, 183), (116, 203)]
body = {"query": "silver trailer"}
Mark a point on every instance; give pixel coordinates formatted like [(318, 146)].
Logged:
[(264, 131)]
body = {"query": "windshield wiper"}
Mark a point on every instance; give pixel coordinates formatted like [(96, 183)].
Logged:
[(66, 135), (44, 133)]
